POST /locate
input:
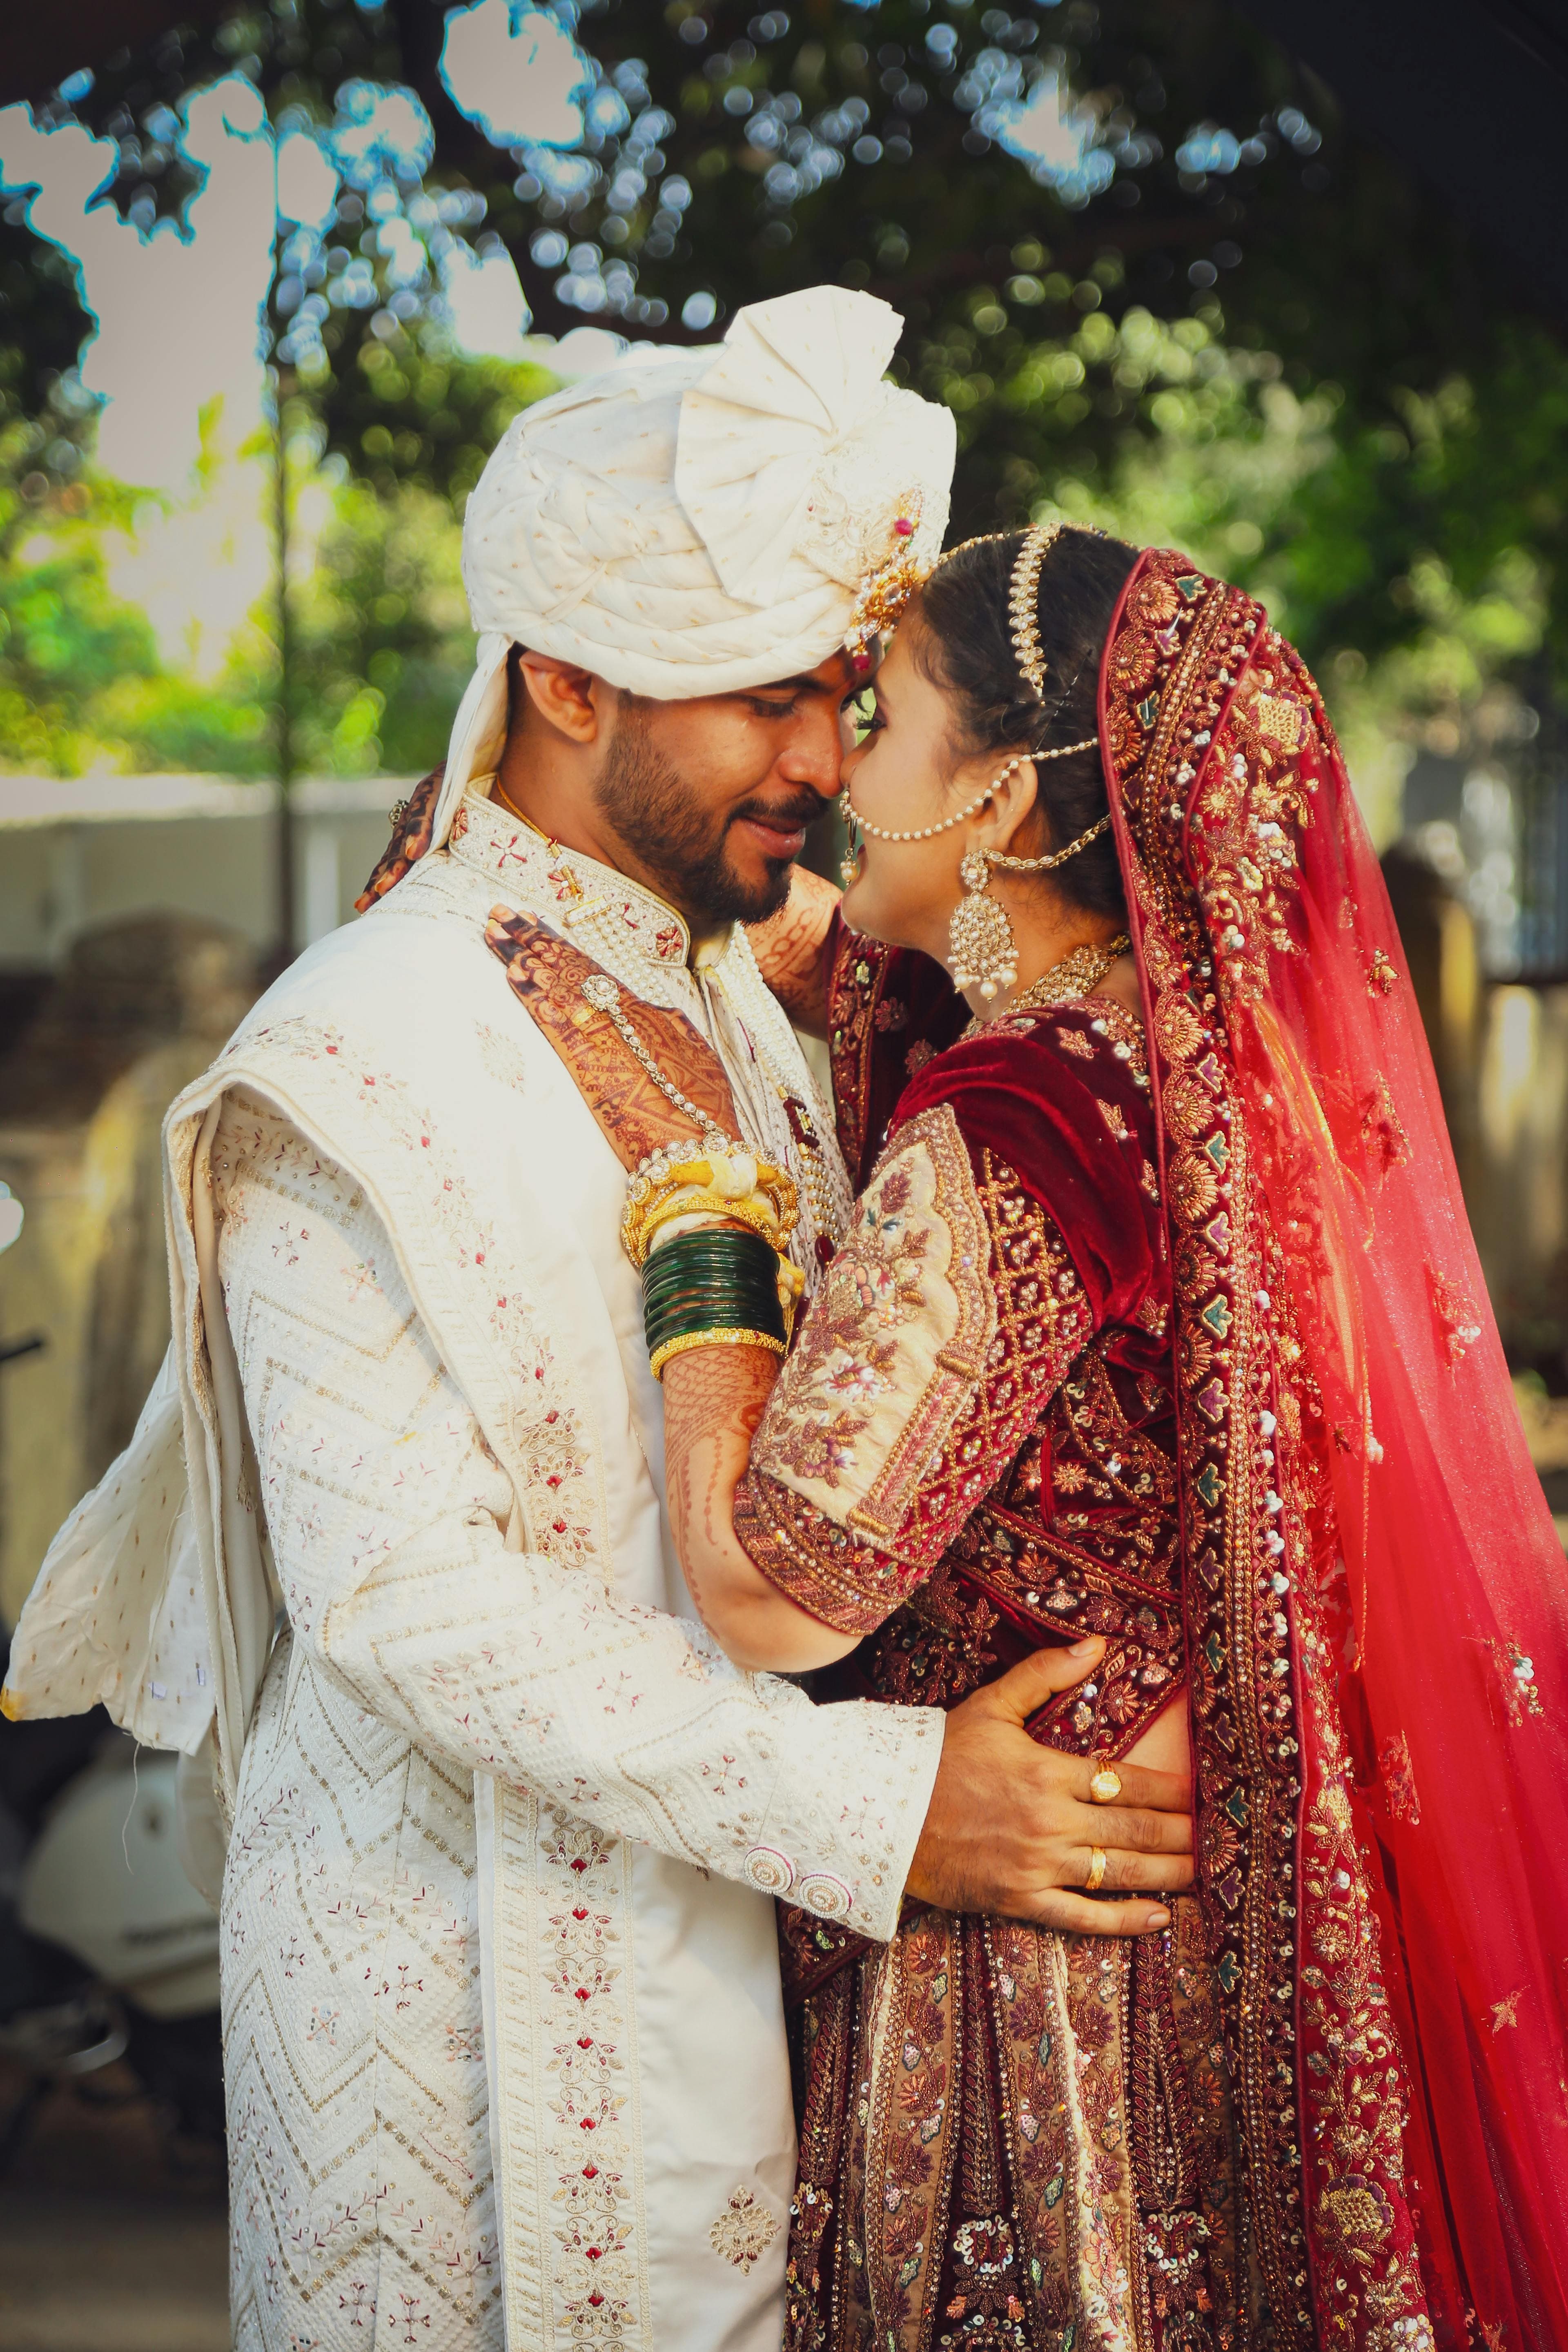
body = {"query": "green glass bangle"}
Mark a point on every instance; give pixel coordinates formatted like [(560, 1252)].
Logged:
[(761, 1284), (717, 1277), (690, 1292), (742, 1261), (658, 1276), (731, 1245), (750, 1308)]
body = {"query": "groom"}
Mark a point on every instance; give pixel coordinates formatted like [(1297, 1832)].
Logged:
[(387, 1557)]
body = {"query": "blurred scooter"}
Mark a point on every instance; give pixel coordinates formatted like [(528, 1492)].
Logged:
[(106, 1951)]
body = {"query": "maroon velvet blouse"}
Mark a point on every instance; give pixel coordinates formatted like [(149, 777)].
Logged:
[(969, 1452)]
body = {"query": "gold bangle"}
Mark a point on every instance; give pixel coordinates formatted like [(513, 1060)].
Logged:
[(771, 1209), (726, 1337), (695, 1221), (754, 1213)]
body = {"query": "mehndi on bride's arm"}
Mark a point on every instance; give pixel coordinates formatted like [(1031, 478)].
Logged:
[(713, 1400), (791, 950)]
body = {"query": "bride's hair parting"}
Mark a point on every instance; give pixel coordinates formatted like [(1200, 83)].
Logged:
[(963, 641)]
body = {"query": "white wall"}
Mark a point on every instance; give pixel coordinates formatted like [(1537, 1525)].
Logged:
[(71, 858)]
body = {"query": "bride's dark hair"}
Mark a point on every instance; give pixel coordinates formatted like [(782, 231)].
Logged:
[(963, 642)]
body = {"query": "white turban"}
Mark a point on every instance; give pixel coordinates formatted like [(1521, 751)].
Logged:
[(692, 522)]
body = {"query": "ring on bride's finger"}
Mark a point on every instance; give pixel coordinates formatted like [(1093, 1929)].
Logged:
[(1106, 1786), (1095, 1879)]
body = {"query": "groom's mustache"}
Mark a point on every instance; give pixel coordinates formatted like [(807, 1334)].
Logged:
[(804, 809)]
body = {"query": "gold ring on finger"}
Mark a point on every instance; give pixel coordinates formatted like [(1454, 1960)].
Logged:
[(1106, 1786), (1095, 1879)]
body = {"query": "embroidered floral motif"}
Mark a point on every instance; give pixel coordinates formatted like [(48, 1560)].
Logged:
[(588, 2104), (913, 2041), (851, 1566), (900, 1332), (1516, 1678), (938, 1647), (1254, 799), (1115, 1119), (1042, 1320), (1173, 748), (1399, 1781), (744, 2231), (1383, 1130), (1458, 1325), (1073, 1041), (502, 1056), (1353, 2058), (1122, 1030)]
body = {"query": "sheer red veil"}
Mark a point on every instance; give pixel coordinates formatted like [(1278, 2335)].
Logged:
[(1376, 1620)]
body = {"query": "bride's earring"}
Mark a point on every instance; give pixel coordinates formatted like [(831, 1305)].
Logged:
[(980, 950), (849, 864)]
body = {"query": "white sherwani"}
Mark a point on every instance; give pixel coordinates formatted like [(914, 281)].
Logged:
[(505, 2051)]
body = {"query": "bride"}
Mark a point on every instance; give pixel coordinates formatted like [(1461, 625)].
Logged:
[(1159, 1338)]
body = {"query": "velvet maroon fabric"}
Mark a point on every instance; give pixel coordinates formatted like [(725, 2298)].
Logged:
[(890, 1009), (1014, 1091)]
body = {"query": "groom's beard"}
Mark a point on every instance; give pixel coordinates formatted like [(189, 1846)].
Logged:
[(681, 843)]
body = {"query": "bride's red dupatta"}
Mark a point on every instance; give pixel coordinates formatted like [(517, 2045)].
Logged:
[(1377, 1604)]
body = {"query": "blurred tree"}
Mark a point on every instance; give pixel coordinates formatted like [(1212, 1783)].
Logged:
[(82, 682), (1125, 236), (382, 647)]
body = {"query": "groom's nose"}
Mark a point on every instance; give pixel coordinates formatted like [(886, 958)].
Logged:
[(815, 751)]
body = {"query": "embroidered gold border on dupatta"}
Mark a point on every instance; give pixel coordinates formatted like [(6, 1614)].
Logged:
[(1186, 731)]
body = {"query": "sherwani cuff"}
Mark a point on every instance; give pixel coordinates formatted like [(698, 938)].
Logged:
[(848, 1809)]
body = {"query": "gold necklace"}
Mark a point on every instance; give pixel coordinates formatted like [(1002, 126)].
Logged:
[(1076, 975)]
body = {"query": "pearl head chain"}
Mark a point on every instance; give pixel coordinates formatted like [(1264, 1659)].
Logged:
[(851, 815)]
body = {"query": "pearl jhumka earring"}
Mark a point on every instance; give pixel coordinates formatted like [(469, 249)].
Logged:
[(983, 953)]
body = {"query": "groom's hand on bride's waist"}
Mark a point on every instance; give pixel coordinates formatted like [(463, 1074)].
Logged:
[(1012, 1829)]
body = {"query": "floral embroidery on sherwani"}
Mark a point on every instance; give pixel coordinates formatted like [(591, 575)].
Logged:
[(486, 1760)]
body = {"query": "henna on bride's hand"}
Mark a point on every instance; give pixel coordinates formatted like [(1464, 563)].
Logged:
[(713, 1400), (790, 950)]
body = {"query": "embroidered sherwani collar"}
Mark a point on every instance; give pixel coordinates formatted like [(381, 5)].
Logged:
[(588, 900), (494, 858)]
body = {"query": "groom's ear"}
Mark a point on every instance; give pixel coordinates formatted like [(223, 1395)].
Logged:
[(567, 698)]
